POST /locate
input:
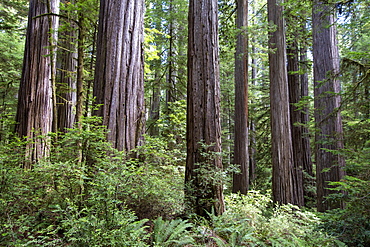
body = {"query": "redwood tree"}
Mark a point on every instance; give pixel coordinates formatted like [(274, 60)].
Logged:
[(308, 179), (295, 119), (241, 152), (328, 121), (35, 96), (67, 68), (119, 74), (203, 188), (282, 152)]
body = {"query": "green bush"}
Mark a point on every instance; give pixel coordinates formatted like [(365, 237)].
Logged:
[(103, 224), (253, 220), (66, 200), (157, 187), (351, 224)]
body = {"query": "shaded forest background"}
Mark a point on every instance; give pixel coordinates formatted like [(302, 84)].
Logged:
[(100, 136)]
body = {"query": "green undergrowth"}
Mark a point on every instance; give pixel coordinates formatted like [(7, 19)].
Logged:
[(253, 220), (108, 198)]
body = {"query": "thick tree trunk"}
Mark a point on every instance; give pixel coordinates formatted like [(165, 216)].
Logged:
[(202, 188), (329, 165), (119, 75), (35, 99), (295, 119), (241, 152), (282, 151)]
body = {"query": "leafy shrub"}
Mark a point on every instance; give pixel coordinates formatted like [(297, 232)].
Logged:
[(157, 188), (351, 224), (100, 226), (291, 226), (59, 203), (252, 220), (65, 200)]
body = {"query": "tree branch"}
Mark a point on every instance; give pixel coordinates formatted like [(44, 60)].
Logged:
[(58, 15)]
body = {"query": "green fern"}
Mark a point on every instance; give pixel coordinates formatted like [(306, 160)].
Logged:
[(171, 233)]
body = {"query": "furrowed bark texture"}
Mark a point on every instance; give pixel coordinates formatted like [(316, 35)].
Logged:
[(241, 152), (202, 189), (119, 76), (35, 105), (327, 116), (295, 118), (282, 152), (67, 70)]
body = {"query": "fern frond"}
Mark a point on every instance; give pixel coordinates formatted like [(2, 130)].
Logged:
[(169, 233)]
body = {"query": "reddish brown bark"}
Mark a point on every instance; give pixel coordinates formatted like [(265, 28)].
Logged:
[(241, 152), (202, 190), (295, 119), (329, 165), (282, 152), (119, 76), (35, 97), (67, 68)]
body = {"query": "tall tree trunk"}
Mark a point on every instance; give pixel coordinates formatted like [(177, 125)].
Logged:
[(241, 152), (80, 70), (329, 165), (91, 65), (295, 119), (66, 87), (35, 99), (119, 74), (154, 112), (252, 128), (80, 95), (171, 78), (282, 151), (252, 124), (203, 191), (53, 37), (308, 180)]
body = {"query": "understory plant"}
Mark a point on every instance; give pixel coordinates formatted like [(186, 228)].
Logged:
[(172, 233), (66, 200), (253, 220)]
